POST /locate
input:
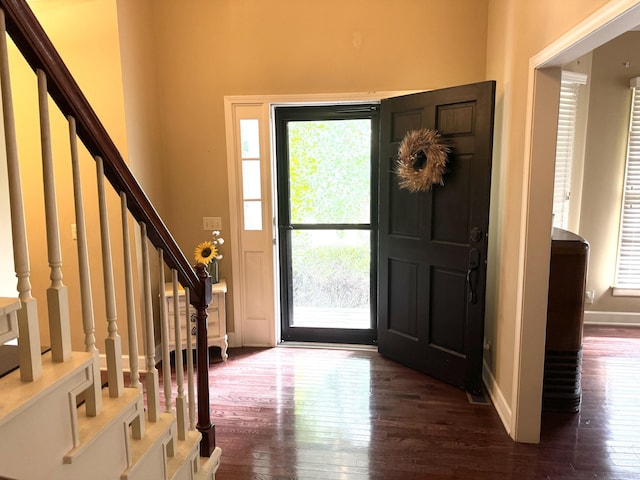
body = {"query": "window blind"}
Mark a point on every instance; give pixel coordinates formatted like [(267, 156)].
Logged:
[(564, 146), (628, 263)]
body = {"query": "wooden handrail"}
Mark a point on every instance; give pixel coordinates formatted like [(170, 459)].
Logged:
[(36, 47)]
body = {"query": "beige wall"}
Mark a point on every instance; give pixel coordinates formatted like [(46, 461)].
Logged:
[(140, 64), (164, 67), (91, 52), (8, 280), (212, 49), (604, 165), (517, 31)]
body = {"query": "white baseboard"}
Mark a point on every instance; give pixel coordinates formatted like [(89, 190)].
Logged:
[(625, 319), (499, 402), (231, 338)]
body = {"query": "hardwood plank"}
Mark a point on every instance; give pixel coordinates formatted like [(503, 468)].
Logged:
[(307, 413)]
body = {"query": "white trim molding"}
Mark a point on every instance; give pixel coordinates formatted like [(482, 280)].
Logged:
[(612, 319), (497, 398)]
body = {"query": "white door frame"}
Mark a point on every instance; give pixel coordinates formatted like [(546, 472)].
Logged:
[(613, 19), (260, 247)]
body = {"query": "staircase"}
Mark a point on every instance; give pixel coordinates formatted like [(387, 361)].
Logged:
[(83, 409)]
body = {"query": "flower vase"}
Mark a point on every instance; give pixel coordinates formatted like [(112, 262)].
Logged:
[(213, 271)]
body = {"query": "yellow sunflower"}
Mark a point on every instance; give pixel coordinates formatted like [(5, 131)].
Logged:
[(205, 252)]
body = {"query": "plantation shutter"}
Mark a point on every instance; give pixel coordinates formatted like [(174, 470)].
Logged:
[(628, 264), (564, 146)]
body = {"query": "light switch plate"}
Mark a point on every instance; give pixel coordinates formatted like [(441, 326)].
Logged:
[(212, 223)]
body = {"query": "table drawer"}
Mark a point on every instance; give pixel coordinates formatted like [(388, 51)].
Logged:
[(215, 304), (213, 328)]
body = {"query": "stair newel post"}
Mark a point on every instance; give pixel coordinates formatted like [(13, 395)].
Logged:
[(57, 294), (191, 394), (204, 426), (94, 393), (28, 327), (181, 407), (151, 376), (113, 343), (164, 333), (132, 331)]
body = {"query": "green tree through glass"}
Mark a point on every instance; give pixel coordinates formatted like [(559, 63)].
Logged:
[(330, 183), (330, 171)]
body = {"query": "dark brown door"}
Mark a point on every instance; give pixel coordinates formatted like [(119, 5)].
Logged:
[(433, 245)]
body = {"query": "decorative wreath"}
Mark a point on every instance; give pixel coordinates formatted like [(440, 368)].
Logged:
[(422, 158)]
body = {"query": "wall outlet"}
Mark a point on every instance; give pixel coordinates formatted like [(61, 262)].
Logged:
[(589, 296), (74, 232), (212, 223)]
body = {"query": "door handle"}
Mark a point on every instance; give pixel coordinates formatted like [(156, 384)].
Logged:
[(474, 263)]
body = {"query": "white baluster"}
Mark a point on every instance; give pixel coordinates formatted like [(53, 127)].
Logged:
[(191, 394), (151, 375), (132, 331), (164, 331), (28, 327), (94, 395), (57, 294), (181, 407), (113, 343), (138, 427)]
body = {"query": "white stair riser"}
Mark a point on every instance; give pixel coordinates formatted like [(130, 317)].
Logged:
[(104, 460), (42, 431), (153, 465)]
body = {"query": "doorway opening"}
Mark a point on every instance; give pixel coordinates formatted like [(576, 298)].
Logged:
[(327, 210), (542, 110)]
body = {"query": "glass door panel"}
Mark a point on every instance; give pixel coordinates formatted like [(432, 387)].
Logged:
[(325, 179), (330, 171), (331, 278)]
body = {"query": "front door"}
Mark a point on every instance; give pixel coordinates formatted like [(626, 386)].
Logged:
[(433, 244)]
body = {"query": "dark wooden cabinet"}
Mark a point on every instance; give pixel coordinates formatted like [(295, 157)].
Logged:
[(565, 314)]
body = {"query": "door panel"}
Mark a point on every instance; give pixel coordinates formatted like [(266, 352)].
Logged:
[(455, 198), (406, 225), (432, 245), (446, 295), (403, 276)]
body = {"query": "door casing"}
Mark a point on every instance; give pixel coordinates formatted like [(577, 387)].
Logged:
[(264, 332)]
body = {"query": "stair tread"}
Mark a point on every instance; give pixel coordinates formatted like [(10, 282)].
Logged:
[(208, 465), (155, 433), (113, 410), (18, 395), (185, 450), (9, 305)]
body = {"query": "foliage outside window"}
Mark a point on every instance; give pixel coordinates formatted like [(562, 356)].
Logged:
[(330, 184)]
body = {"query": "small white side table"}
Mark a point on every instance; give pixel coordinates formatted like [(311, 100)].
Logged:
[(216, 320)]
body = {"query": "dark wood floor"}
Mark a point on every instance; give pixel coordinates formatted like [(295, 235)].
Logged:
[(294, 413)]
